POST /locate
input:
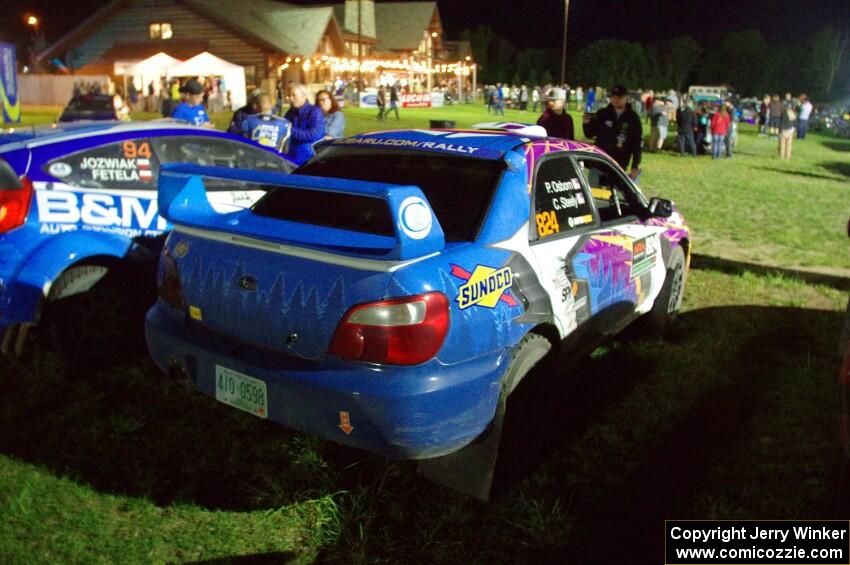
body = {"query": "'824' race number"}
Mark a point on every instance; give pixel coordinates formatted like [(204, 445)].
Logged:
[(547, 223)]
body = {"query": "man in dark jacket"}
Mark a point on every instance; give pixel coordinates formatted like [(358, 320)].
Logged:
[(308, 125), (239, 116), (555, 119), (686, 123), (617, 130)]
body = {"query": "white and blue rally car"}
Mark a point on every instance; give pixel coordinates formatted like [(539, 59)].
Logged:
[(393, 291), (79, 228)]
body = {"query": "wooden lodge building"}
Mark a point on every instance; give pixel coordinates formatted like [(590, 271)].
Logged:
[(270, 39)]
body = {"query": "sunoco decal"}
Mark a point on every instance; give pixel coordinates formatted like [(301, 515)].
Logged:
[(485, 286)]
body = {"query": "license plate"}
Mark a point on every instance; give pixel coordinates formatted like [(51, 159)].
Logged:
[(241, 391)]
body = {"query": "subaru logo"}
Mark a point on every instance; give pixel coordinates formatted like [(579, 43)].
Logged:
[(248, 283)]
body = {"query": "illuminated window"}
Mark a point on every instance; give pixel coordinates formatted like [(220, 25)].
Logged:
[(161, 31)]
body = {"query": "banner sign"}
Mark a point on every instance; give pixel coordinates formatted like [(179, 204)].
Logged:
[(9, 99), (416, 100), (368, 100), (437, 99)]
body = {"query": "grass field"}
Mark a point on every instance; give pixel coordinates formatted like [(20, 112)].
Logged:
[(735, 416)]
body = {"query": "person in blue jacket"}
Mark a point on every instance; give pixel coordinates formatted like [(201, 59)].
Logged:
[(265, 128), (308, 125), (192, 108)]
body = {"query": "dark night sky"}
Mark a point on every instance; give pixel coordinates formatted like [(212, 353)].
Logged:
[(537, 23)]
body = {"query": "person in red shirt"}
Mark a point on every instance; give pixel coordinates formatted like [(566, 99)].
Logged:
[(555, 119), (719, 129)]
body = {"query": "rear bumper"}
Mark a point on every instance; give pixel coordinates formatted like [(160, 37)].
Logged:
[(399, 412)]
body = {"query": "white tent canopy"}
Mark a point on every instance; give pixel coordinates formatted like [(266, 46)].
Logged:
[(150, 70), (206, 64), (153, 66)]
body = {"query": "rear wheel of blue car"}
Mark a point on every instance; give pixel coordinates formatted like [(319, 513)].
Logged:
[(669, 301), (93, 327), (526, 392)]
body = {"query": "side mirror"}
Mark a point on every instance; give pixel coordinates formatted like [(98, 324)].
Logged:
[(660, 207)]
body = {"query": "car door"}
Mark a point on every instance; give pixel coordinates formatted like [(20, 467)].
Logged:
[(624, 246), (108, 186), (562, 219)]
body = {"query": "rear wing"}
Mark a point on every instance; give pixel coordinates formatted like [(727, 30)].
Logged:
[(417, 232)]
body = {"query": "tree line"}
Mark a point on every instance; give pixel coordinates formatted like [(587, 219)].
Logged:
[(743, 60)]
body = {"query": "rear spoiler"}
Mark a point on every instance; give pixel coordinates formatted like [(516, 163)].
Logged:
[(183, 201)]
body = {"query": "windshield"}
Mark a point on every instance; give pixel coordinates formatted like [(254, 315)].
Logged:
[(91, 104), (459, 189)]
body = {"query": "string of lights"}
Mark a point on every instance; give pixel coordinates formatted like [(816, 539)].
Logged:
[(345, 64)]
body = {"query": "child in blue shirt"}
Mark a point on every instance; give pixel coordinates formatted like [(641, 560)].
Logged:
[(192, 109)]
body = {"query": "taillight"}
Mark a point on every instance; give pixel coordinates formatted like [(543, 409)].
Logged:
[(400, 331), (15, 205), (168, 285)]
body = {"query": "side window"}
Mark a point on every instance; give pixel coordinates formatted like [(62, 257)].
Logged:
[(129, 164), (218, 152), (614, 198), (560, 203)]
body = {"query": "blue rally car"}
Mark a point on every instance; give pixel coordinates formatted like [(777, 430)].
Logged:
[(79, 229), (394, 290)]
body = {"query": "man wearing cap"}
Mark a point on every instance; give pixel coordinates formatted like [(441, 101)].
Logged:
[(555, 119), (617, 130), (192, 108)]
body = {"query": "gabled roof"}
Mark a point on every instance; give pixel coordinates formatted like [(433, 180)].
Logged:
[(287, 28), (295, 30), (399, 25), (84, 29)]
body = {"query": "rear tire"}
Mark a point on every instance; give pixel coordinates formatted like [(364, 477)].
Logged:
[(528, 354), (94, 327), (471, 469), (669, 300)]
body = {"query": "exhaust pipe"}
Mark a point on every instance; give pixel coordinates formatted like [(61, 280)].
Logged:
[(178, 372)]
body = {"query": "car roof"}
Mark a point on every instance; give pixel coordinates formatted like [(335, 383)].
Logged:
[(93, 97), (480, 143), (34, 136)]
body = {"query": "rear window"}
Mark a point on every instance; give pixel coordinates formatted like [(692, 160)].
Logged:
[(352, 212), (218, 152), (459, 189), (128, 164), (91, 104)]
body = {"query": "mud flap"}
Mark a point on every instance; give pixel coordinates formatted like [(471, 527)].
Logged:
[(470, 470)]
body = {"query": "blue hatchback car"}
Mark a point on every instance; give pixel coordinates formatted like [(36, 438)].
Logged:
[(80, 231), (393, 291)]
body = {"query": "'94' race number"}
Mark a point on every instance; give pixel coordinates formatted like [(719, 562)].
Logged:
[(547, 223)]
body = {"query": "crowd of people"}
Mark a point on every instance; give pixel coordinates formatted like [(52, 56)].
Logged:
[(303, 125), (615, 118), (294, 134), (704, 125)]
